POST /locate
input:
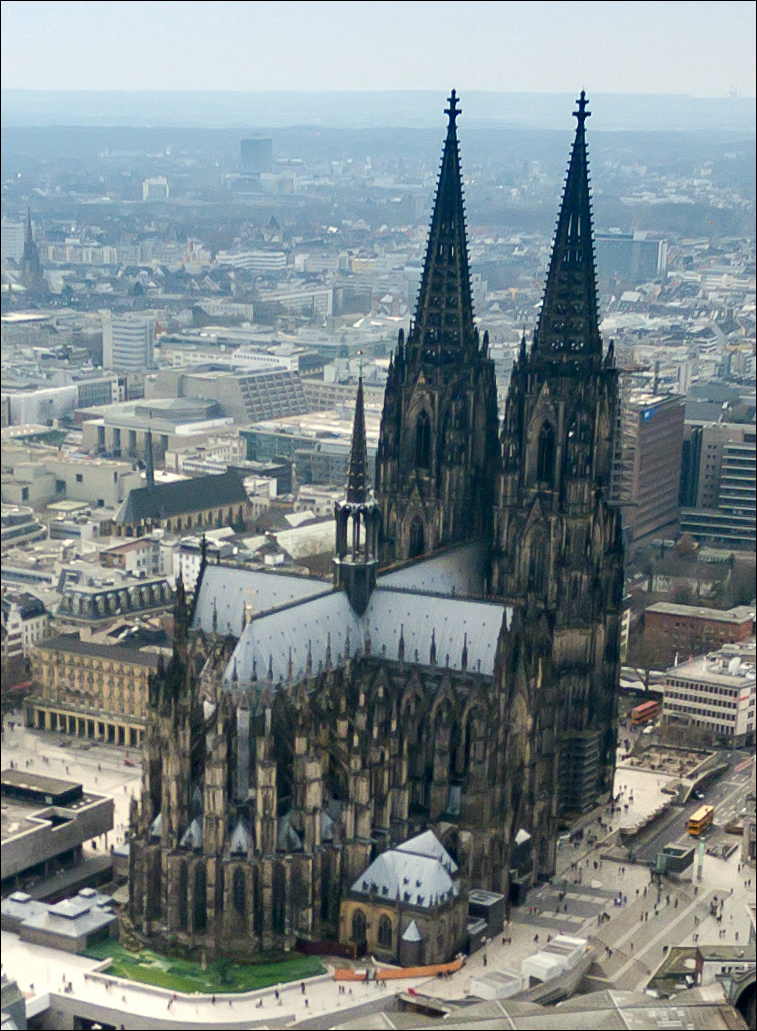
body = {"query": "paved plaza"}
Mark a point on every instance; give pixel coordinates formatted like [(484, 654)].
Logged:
[(629, 938)]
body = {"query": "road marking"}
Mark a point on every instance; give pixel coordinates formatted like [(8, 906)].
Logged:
[(743, 765)]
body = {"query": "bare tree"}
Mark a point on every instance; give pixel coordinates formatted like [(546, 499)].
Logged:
[(649, 650)]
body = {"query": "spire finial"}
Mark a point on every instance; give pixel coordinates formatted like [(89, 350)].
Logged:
[(453, 110), (582, 114)]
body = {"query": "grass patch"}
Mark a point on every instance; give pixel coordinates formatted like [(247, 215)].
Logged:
[(222, 975)]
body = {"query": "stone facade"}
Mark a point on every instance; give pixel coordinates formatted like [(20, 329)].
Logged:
[(90, 690), (461, 677)]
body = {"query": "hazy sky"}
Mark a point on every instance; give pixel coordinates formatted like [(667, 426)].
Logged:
[(694, 48)]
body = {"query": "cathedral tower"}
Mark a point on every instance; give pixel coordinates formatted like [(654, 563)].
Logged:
[(437, 453), (557, 545)]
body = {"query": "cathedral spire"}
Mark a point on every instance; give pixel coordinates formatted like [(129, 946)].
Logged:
[(568, 324), (443, 324), (357, 475)]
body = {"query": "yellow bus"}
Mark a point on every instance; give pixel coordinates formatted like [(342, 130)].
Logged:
[(700, 820)]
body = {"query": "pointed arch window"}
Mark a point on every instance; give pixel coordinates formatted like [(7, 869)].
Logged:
[(200, 899), (359, 926), (423, 441), (545, 468), (239, 892), (183, 895), (385, 933), (417, 537)]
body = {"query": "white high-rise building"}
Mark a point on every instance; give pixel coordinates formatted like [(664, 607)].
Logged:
[(155, 188), (128, 342), (12, 239)]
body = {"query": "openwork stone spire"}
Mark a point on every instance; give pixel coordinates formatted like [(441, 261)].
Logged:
[(568, 324), (443, 325), (357, 475)]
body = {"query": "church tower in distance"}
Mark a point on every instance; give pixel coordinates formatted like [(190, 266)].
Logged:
[(437, 456), (557, 548)]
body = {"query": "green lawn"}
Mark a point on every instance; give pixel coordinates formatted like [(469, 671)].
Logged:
[(181, 975)]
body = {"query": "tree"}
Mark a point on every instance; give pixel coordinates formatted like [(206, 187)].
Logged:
[(683, 594), (649, 650)]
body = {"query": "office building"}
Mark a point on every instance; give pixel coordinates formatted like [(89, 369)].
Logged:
[(256, 155), (718, 483), (714, 691), (630, 258), (155, 188), (650, 464), (128, 342)]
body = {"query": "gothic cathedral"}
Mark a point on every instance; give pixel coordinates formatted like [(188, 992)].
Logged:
[(460, 675)]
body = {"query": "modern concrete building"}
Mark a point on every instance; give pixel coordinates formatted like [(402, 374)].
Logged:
[(714, 691), (256, 155), (155, 189), (128, 342), (631, 258), (121, 430), (46, 820), (651, 442), (41, 477), (718, 483)]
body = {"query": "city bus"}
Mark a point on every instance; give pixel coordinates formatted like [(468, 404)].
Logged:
[(645, 712), (700, 820)]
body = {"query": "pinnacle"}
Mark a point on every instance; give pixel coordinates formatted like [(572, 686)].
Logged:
[(357, 484)]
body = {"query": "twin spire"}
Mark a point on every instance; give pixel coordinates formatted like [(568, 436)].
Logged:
[(568, 324), (443, 324)]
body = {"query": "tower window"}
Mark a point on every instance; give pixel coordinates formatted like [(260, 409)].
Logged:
[(546, 462), (423, 441)]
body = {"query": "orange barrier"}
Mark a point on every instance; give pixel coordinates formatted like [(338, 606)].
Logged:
[(393, 974)]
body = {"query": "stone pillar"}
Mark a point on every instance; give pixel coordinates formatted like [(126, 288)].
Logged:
[(265, 805)]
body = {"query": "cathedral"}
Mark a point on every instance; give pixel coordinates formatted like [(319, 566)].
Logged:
[(456, 685)]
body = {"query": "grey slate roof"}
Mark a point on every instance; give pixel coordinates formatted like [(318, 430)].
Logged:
[(73, 646), (427, 844), (408, 876), (329, 623), (230, 590), (458, 571), (165, 500)]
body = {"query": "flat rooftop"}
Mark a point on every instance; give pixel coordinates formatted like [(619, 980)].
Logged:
[(739, 614)]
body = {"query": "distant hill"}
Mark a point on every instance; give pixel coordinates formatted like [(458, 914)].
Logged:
[(403, 108)]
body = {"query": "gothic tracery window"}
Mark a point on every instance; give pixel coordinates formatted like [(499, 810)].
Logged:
[(385, 932), (417, 541), (545, 468), (359, 925), (423, 441)]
